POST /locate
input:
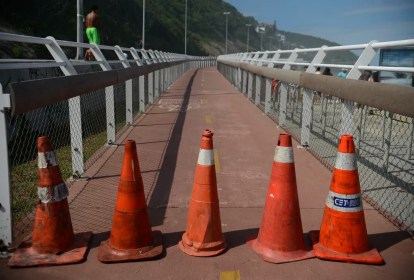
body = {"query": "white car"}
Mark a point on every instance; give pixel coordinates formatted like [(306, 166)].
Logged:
[(405, 79)]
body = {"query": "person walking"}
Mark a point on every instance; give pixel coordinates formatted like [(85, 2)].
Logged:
[(94, 30)]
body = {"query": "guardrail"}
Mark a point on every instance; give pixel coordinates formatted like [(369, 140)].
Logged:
[(317, 109), (80, 105)]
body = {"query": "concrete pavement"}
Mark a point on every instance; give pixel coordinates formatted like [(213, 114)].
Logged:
[(168, 137)]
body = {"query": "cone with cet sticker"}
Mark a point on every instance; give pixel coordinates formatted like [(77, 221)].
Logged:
[(131, 238), (203, 236), (280, 237), (53, 241), (343, 233)]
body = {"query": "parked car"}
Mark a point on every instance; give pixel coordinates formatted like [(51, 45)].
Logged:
[(394, 78)]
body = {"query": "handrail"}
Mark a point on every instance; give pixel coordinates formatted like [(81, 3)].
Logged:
[(24, 64), (401, 100), (29, 95)]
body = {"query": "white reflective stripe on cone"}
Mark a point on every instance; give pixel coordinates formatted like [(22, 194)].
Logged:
[(283, 154), (206, 157), (344, 202), (52, 194), (345, 161), (47, 159)]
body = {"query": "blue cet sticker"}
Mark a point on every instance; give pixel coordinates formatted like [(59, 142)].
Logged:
[(347, 202)]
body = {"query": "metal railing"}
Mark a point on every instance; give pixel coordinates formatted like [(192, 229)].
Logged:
[(81, 105), (317, 109)]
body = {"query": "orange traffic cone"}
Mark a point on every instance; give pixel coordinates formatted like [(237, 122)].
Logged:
[(203, 236), (343, 235), (280, 236), (131, 236), (53, 241)]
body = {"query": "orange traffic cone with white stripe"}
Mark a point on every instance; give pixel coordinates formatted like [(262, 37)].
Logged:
[(131, 236), (53, 241), (343, 234), (203, 236), (281, 238)]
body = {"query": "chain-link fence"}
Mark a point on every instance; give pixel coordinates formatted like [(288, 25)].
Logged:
[(384, 140), (81, 110), (54, 121)]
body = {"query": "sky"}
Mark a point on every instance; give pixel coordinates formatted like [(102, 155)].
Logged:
[(345, 22)]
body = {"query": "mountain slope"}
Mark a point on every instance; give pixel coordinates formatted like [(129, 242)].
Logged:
[(164, 25)]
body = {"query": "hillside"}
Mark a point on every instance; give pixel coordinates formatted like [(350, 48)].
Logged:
[(164, 25)]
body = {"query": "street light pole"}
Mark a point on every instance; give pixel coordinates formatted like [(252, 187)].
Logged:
[(248, 33), (143, 24), (226, 14), (185, 32), (270, 43), (79, 29), (261, 41)]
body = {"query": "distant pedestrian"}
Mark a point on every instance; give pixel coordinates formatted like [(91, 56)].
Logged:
[(318, 70), (327, 72), (275, 84), (374, 77), (366, 75), (343, 73)]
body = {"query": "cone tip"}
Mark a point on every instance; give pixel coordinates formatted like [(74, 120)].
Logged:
[(129, 143), (43, 144), (285, 140), (346, 144), (207, 133)]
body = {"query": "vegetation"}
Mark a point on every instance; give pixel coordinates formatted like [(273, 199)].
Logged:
[(164, 25)]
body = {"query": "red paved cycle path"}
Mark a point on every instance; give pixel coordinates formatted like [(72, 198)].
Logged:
[(168, 138)]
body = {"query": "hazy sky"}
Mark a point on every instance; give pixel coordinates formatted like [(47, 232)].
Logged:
[(345, 22)]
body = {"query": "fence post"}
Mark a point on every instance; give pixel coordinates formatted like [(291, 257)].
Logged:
[(156, 75), (109, 96), (268, 95), (128, 87), (283, 90), (250, 86), (141, 82), (244, 85), (308, 100), (6, 225), (150, 76), (257, 91), (162, 72), (348, 106), (75, 116)]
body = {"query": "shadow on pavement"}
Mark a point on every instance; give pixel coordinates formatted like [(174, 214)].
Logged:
[(161, 192), (385, 240), (239, 237)]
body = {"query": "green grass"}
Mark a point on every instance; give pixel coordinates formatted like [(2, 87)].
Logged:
[(24, 177)]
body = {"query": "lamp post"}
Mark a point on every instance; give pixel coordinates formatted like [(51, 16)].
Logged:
[(143, 24), (79, 27), (185, 32), (248, 33), (270, 42), (226, 14), (261, 41)]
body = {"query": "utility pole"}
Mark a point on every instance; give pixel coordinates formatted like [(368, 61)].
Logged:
[(248, 35), (185, 33), (226, 14), (143, 24), (270, 43), (261, 41), (79, 28)]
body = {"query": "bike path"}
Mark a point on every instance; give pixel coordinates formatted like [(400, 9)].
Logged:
[(168, 137)]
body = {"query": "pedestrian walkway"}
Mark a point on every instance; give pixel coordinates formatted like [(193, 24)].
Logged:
[(168, 138)]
